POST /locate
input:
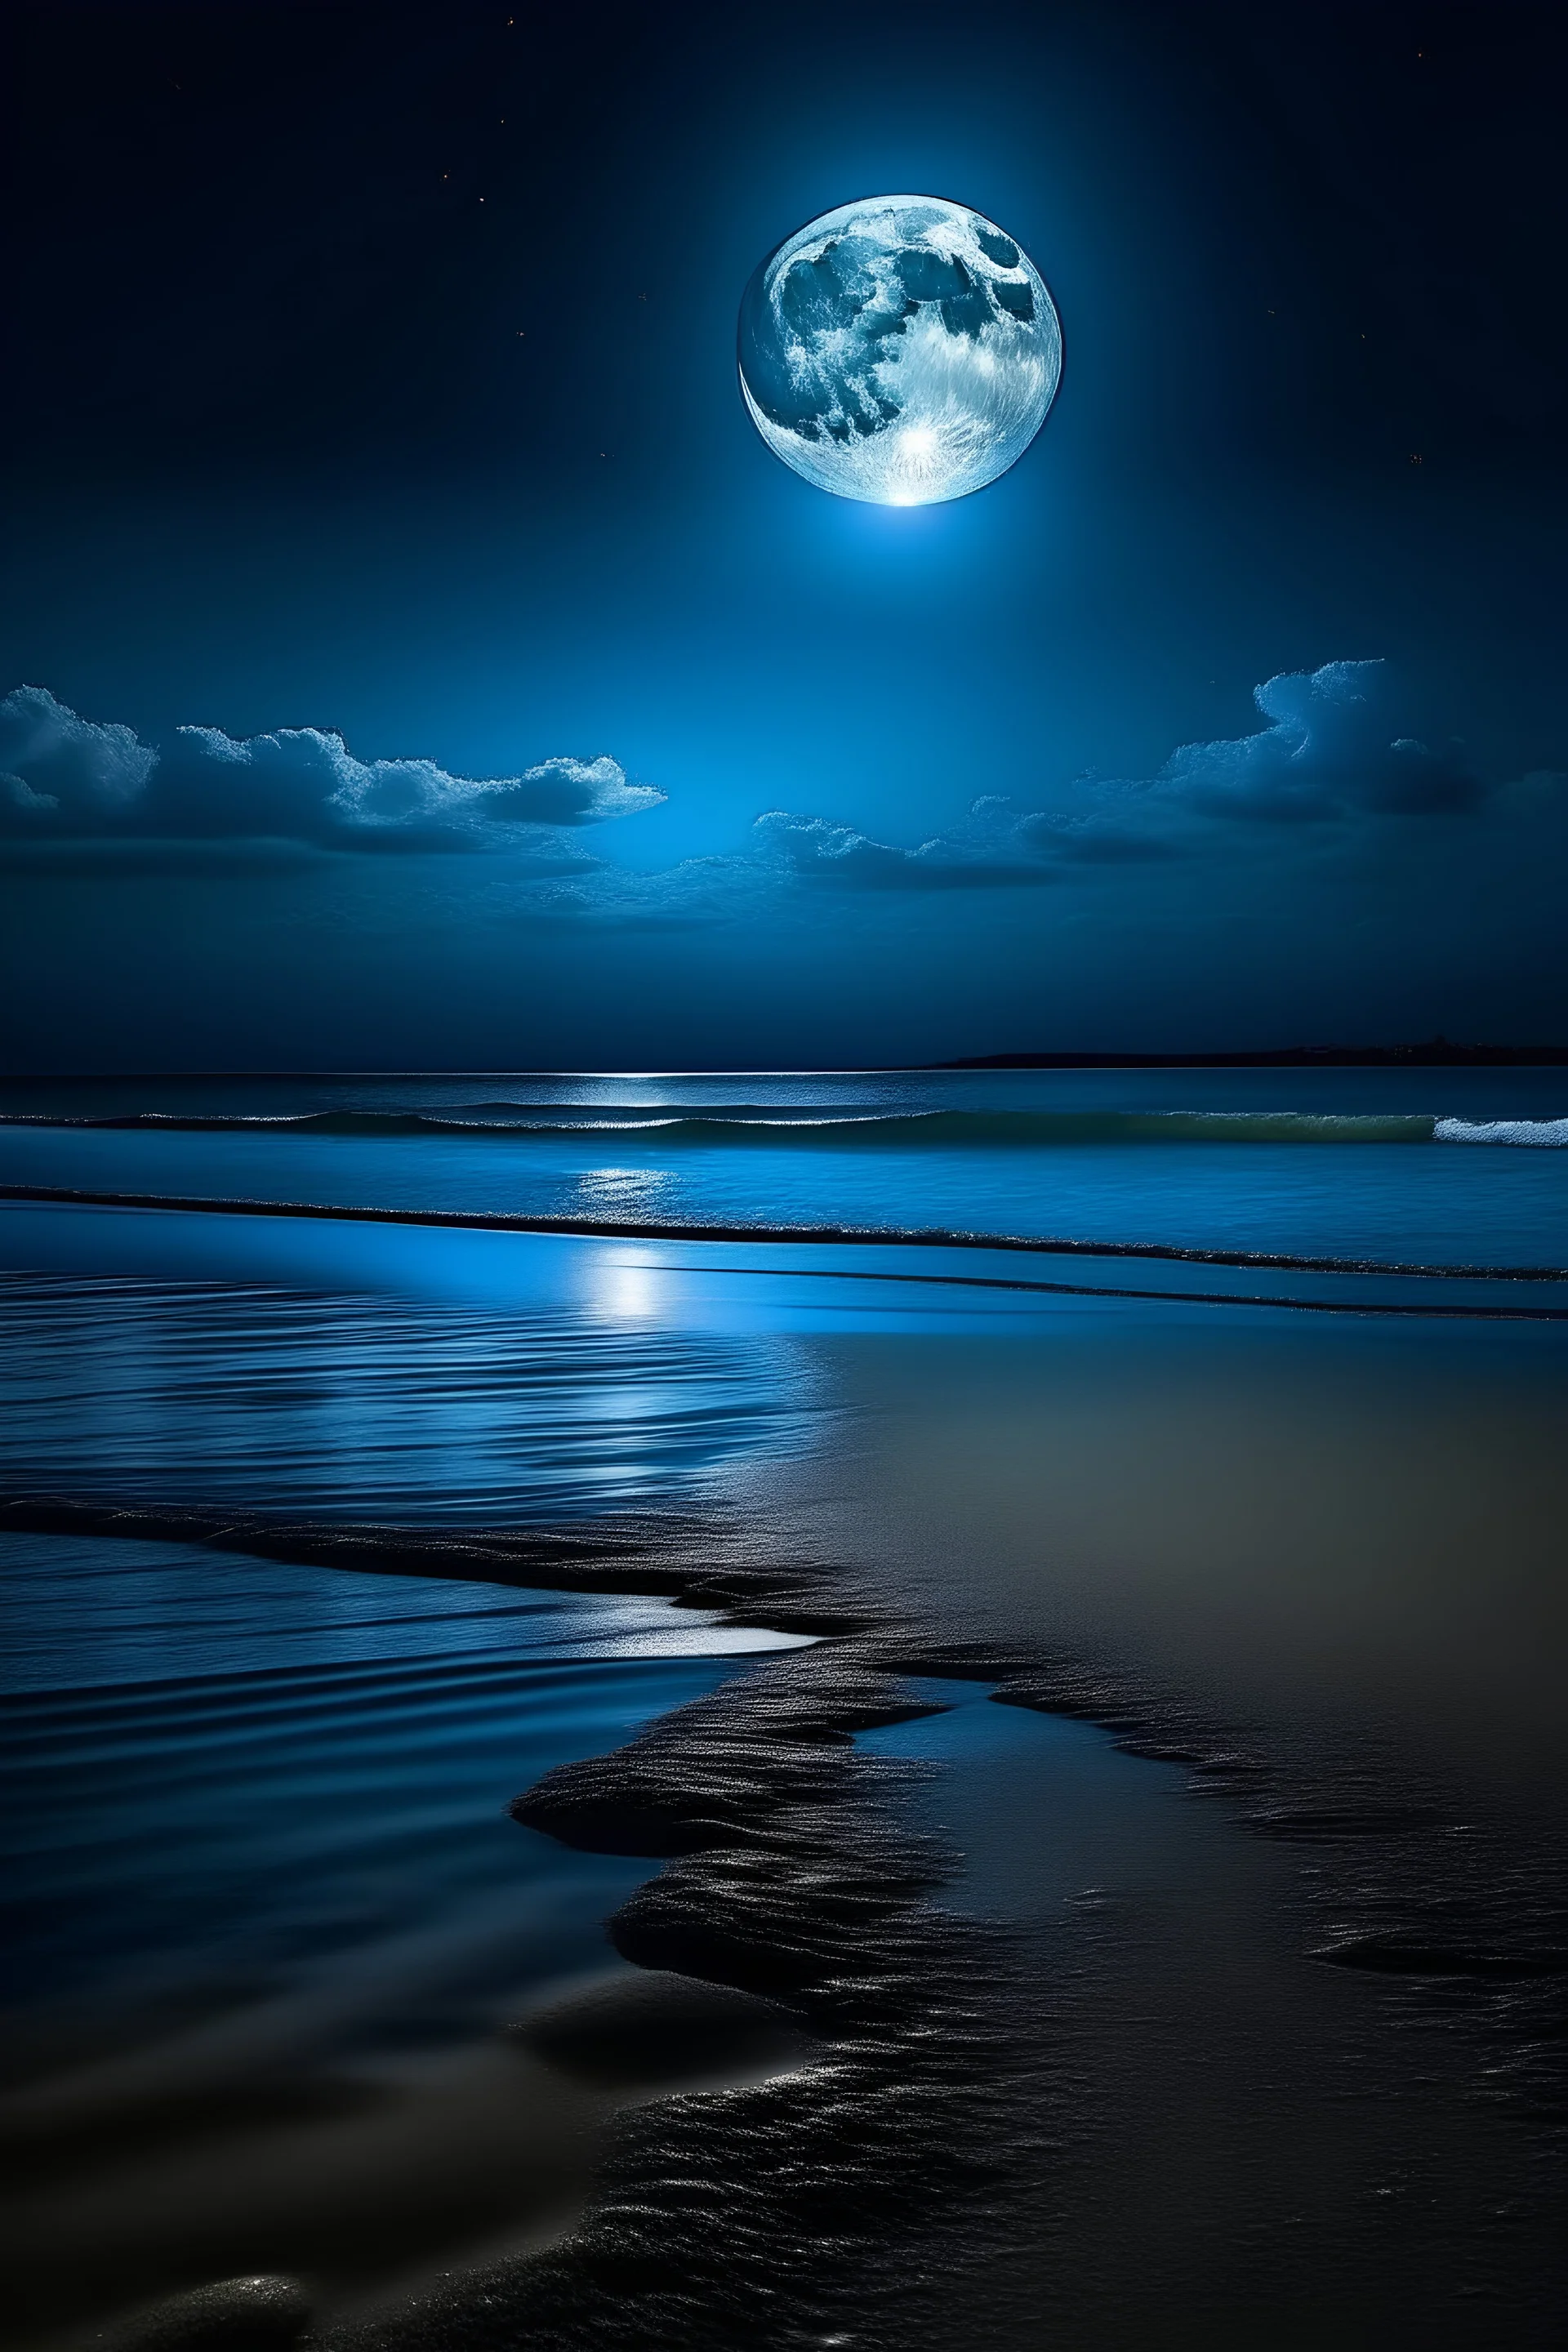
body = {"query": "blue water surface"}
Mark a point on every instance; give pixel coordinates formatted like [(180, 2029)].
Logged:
[(235, 1784), (1340, 1163), (236, 1780)]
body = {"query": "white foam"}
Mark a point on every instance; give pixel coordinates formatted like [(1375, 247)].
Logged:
[(1548, 1134)]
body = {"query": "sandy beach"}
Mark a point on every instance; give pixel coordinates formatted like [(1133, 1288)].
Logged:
[(1240, 1910)]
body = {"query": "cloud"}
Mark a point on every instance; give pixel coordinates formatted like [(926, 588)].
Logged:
[(1334, 747), (812, 850), (1089, 840), (1339, 753), (65, 780), (1332, 752), (800, 860), (58, 769)]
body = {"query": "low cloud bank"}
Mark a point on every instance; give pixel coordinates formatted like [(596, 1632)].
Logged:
[(1338, 755), (66, 779), (1333, 753), (1338, 760)]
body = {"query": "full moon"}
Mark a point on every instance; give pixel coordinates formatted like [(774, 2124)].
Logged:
[(901, 350)]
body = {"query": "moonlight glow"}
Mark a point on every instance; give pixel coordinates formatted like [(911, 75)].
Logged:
[(901, 350)]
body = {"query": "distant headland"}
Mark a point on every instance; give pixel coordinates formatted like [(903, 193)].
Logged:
[(1435, 1054)]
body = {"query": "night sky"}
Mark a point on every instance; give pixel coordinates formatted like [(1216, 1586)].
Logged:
[(370, 390)]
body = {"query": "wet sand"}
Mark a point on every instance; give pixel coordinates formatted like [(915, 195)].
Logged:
[(1306, 1983), (1333, 1531)]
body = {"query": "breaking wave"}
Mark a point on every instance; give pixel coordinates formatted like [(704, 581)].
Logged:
[(1548, 1134)]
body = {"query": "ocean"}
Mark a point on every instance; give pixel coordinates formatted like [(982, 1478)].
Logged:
[(1452, 1167), (1212, 1420)]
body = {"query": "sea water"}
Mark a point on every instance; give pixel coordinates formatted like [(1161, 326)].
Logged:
[(1452, 1167), (265, 1916)]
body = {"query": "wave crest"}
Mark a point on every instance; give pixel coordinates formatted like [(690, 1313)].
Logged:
[(1544, 1134), (804, 1125), (826, 1127)]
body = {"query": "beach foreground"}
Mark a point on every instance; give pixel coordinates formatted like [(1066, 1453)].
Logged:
[(1098, 1751)]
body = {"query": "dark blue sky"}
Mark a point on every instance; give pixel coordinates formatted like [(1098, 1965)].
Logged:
[(372, 375)]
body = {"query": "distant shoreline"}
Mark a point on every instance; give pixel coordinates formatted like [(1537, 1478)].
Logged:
[(1437, 1054)]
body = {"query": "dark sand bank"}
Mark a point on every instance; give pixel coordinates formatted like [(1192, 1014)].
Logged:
[(361, 2186), (118, 2193)]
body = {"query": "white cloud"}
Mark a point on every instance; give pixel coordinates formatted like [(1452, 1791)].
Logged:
[(71, 779)]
